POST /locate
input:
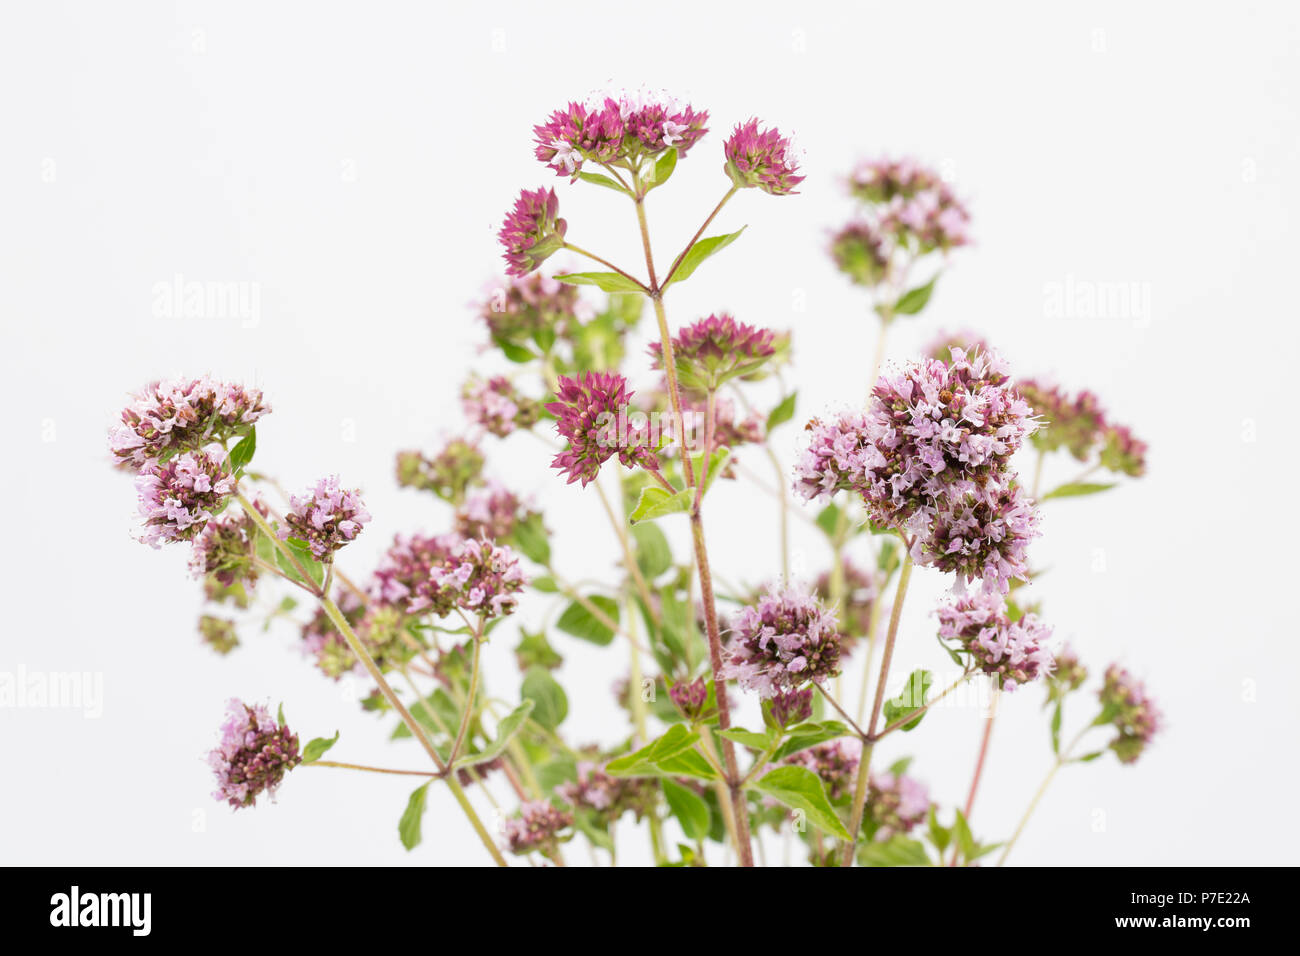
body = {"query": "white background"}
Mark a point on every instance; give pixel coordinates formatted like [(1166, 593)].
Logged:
[(355, 159)]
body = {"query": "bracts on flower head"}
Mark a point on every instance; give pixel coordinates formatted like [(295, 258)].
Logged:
[(592, 415), (531, 232), (1129, 708), (715, 349), (253, 755), (182, 415), (762, 158)]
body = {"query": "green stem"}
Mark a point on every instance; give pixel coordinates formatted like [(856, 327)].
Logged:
[(470, 699), (681, 256), (357, 766), (1061, 760), (864, 764), (607, 264)]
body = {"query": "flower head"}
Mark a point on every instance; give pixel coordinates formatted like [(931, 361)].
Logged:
[(492, 513), (1122, 452), (783, 642), (182, 415), (407, 565), (1013, 652), (497, 406), (218, 633), (896, 803), (608, 797), (715, 350), (762, 158), (838, 456), (932, 220), (620, 129), (477, 576), (522, 307), (1131, 710), (690, 697), (877, 181), (790, 707), (982, 534), (537, 827), (178, 497), (531, 233), (592, 415), (862, 252), (456, 467), (224, 549), (326, 518), (1071, 422), (254, 754)]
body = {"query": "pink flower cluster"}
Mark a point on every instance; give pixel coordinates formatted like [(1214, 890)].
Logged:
[(532, 232), (913, 205), (476, 576), (1079, 424), (492, 513), (522, 307), (931, 457), (608, 797), (182, 414), (254, 754), (835, 762), (497, 406), (1014, 653), (407, 565), (224, 549), (783, 642), (896, 803), (592, 414), (620, 129), (456, 467), (762, 158), (178, 497), (537, 827), (326, 518)]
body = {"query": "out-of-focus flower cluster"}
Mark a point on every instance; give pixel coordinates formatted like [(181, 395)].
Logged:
[(497, 406), (538, 826), (608, 797), (1130, 709), (449, 473)]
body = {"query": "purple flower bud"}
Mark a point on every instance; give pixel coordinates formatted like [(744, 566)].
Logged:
[(690, 697), (762, 158), (714, 350), (592, 414), (790, 707)]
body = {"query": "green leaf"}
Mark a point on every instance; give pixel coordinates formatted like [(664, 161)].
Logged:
[(664, 167), (599, 179), (242, 453), (653, 556), (550, 704), (699, 252), (783, 412), (1088, 758), (302, 551), (810, 735), (589, 826), (941, 835), (506, 729), (437, 705), (514, 353), (802, 789), (690, 809), (605, 281), (747, 738), (828, 519), (672, 755), (655, 502), (544, 583), (317, 748), (914, 300), (408, 828), (896, 851), (965, 841), (582, 624), (279, 714), (910, 700), (530, 535), (1076, 488)]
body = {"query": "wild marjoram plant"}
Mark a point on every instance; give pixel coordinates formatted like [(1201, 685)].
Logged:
[(921, 476)]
